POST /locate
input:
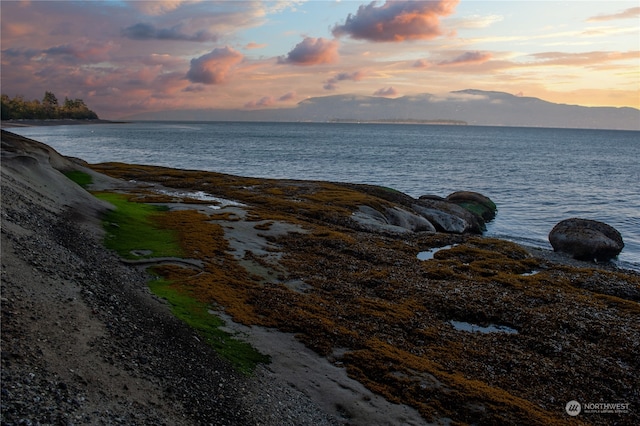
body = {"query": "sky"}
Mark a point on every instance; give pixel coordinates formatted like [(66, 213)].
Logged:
[(128, 57)]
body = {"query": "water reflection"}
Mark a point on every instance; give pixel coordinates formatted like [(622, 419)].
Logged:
[(475, 328)]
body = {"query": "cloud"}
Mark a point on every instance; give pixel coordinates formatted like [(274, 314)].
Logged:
[(142, 31), (83, 49), (254, 45), (159, 7), (593, 59), (355, 76), (287, 97), (477, 21), (331, 84), (312, 51), (194, 88), (213, 67), (421, 63), (396, 21), (387, 91), (13, 29), (633, 12), (474, 57), (19, 52), (265, 101)]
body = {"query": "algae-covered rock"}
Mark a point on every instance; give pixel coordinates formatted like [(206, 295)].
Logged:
[(475, 203), (586, 239)]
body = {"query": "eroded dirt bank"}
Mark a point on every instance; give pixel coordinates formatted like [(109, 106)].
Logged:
[(286, 257)]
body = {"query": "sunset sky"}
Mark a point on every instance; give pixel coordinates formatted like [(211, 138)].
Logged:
[(126, 57)]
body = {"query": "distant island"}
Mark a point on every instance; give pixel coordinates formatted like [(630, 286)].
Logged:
[(401, 121), (473, 107), (17, 108)]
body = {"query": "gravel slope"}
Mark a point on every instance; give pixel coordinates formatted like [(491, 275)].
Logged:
[(83, 340)]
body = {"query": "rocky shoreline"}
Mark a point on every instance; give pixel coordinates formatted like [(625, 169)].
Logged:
[(7, 124), (85, 342)]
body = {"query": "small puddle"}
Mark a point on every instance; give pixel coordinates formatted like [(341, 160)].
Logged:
[(528, 274), (141, 253), (475, 328), (203, 196), (428, 255)]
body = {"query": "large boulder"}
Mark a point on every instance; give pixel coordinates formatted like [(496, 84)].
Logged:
[(475, 203), (411, 221), (452, 217), (443, 221), (586, 239), (393, 220)]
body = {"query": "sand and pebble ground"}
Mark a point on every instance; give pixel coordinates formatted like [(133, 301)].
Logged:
[(359, 331)]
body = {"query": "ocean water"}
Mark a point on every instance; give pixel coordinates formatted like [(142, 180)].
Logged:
[(536, 176)]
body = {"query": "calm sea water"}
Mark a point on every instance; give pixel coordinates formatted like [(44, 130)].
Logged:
[(537, 177)]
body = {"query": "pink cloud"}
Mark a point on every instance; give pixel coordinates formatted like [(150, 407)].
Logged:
[(589, 59), (396, 21), (267, 101), (287, 97), (474, 57), (214, 67), (355, 76), (312, 51), (331, 84), (388, 91), (632, 12), (158, 7), (83, 50), (421, 63), (254, 45), (13, 29), (263, 102), (194, 88)]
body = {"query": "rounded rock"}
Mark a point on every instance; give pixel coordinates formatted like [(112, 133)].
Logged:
[(476, 203), (586, 239)]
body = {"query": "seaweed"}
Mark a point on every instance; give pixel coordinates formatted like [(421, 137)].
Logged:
[(369, 294)]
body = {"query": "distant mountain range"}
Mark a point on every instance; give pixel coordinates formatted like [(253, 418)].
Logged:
[(472, 107)]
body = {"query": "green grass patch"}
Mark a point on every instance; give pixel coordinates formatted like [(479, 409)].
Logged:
[(81, 178), (196, 314), (131, 228)]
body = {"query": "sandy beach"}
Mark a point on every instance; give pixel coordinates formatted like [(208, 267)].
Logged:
[(359, 331)]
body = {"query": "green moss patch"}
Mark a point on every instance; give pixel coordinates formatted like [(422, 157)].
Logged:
[(143, 228), (81, 178), (196, 314), (132, 228)]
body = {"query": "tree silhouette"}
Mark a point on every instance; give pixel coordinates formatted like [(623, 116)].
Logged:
[(20, 109)]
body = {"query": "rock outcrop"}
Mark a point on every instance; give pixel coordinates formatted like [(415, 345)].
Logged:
[(449, 217), (586, 239), (461, 212), (394, 220), (476, 203)]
